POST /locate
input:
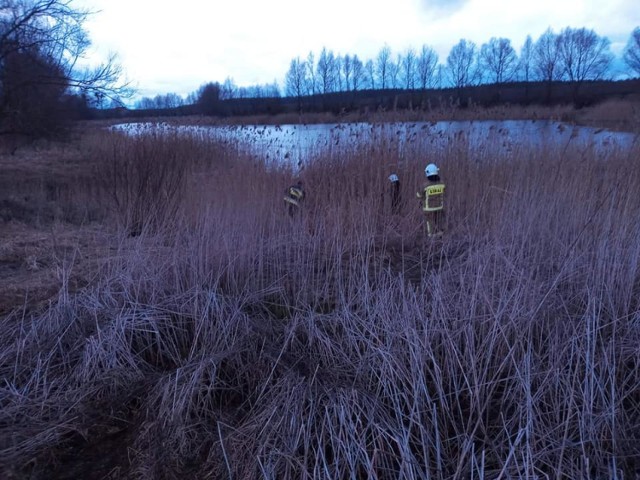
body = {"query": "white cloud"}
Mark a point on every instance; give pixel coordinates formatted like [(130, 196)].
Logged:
[(441, 8), (168, 46)]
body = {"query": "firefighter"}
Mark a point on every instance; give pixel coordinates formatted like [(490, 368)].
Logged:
[(294, 195), (395, 193), (432, 201)]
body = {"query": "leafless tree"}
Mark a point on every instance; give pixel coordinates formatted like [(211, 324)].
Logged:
[(383, 60), (334, 71), (546, 57), (191, 98), (295, 81), (440, 76), (169, 100), (173, 100), (394, 73), (631, 53), (408, 64), (358, 77), (461, 63), (54, 28), (338, 74), (583, 54), (42, 43), (228, 89), (272, 89), (525, 60), (312, 85), (370, 74), (145, 103), (426, 66), (498, 59), (347, 71), (266, 90), (326, 71)]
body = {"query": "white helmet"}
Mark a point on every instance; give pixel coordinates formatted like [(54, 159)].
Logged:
[(431, 169), (393, 177)]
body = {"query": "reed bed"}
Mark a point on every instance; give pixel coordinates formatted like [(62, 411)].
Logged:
[(223, 339)]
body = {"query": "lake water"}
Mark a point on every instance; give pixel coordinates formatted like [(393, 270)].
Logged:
[(298, 143)]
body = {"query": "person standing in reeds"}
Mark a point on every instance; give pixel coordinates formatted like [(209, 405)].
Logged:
[(395, 193), (432, 201), (294, 195)]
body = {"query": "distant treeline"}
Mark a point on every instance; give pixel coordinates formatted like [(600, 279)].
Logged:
[(579, 94), (574, 55)]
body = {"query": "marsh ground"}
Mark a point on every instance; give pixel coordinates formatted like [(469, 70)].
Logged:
[(162, 317)]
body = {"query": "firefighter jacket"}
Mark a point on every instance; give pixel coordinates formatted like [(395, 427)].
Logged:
[(432, 196), (294, 195)]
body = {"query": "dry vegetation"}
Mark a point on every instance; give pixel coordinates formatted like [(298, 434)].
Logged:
[(207, 335)]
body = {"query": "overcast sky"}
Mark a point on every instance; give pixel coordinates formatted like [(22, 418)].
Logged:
[(176, 46)]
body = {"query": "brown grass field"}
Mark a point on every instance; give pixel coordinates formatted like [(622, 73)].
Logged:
[(161, 317)]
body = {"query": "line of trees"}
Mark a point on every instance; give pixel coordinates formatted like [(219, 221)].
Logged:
[(574, 55), (228, 90)]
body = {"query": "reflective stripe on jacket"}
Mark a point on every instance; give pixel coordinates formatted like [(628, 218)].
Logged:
[(294, 195), (295, 192), (433, 197)]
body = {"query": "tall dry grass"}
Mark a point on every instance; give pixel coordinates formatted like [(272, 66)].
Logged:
[(227, 340)]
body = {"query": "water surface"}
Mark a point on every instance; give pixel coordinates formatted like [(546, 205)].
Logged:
[(300, 143)]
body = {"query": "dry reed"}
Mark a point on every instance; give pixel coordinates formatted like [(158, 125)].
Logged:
[(227, 340)]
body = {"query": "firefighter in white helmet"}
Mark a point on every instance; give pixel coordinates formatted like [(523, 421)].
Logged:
[(432, 201), (395, 193)]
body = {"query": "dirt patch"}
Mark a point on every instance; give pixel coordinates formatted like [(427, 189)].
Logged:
[(35, 263)]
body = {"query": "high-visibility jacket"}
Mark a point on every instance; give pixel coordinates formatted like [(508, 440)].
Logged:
[(432, 196), (294, 195)]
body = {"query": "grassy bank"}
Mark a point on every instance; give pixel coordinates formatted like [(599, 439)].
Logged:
[(613, 114), (218, 338)]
